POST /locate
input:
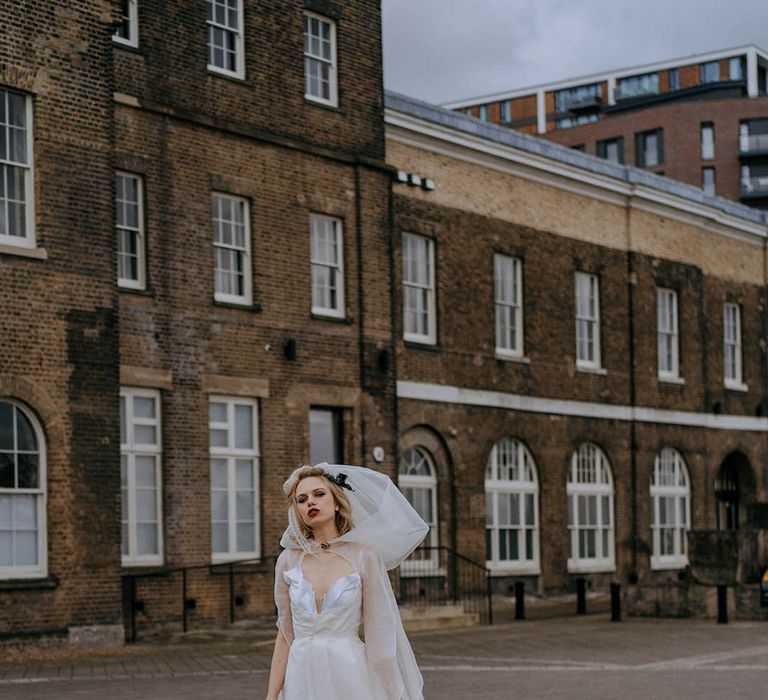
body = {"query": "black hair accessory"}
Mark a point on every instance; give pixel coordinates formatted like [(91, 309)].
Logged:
[(340, 480)]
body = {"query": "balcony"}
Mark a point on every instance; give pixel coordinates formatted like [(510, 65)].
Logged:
[(753, 145), (755, 187)]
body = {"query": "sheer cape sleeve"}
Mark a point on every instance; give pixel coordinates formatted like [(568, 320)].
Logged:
[(388, 651), (282, 598)]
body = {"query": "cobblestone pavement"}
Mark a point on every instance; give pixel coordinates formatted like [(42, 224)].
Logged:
[(573, 658)]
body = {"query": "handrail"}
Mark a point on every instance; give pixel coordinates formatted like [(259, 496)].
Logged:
[(450, 577)]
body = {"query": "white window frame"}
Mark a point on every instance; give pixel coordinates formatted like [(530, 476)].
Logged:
[(317, 222), (506, 111), (508, 306), (409, 242), (708, 188), (707, 141), (231, 454), (484, 113), (599, 489), (239, 71), (732, 343), (678, 491), (246, 298), (585, 283), (668, 297), (127, 282), (133, 26), (333, 89), (130, 449), (41, 502), (427, 563), (523, 488), (28, 239)]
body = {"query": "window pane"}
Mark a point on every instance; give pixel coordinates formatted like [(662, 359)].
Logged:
[(25, 512), (246, 540), (244, 506), (244, 474), (6, 426), (243, 427), (220, 537), (146, 539), (25, 433), (6, 512), (219, 505), (219, 477), (145, 472), (26, 549), (146, 505), (28, 471), (7, 471), (217, 412), (143, 407), (145, 434)]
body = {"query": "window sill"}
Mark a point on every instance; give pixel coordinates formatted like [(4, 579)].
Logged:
[(586, 369), (232, 77), (736, 386), (671, 380), (347, 320), (668, 564), (145, 292), (35, 253), (253, 308), (145, 569), (504, 357), (583, 567), (128, 46), (322, 103), (422, 345), (502, 569), (29, 584)]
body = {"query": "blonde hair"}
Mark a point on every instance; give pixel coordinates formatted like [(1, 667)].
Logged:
[(343, 514)]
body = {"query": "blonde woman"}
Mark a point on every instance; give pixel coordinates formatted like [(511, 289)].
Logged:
[(346, 527)]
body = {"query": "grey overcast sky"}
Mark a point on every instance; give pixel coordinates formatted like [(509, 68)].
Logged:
[(444, 50)]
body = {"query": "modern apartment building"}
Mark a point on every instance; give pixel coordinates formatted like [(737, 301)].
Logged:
[(701, 119)]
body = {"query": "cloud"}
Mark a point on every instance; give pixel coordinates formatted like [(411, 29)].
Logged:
[(440, 50)]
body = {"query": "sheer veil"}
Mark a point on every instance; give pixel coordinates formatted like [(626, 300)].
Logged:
[(388, 529)]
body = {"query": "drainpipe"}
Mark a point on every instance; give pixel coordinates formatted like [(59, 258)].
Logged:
[(631, 285), (360, 312)]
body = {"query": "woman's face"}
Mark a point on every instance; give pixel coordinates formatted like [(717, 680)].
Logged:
[(315, 502)]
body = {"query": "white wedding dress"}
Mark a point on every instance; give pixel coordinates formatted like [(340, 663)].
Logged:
[(327, 658)]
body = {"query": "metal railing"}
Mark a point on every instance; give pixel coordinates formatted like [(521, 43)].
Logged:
[(440, 576), (205, 596), (753, 142), (754, 185)]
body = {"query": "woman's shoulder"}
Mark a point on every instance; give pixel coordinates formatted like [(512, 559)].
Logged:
[(286, 559)]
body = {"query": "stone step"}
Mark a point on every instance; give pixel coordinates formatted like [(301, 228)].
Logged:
[(420, 618)]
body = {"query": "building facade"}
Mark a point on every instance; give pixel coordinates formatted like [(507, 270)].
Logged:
[(701, 120), (222, 257), (589, 387)]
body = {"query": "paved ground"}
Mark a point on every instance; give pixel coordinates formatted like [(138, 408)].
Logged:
[(573, 658)]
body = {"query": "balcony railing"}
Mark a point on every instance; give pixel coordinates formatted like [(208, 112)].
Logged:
[(754, 185), (753, 142)]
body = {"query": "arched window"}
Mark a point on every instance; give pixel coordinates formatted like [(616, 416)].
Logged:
[(418, 482), (670, 511), (511, 508), (22, 494), (590, 511)]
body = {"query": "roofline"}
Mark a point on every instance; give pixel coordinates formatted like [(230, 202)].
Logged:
[(599, 77), (439, 122)]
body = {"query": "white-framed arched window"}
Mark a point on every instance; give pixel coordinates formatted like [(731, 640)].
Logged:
[(590, 511), (511, 509), (418, 482), (23, 536), (670, 510)]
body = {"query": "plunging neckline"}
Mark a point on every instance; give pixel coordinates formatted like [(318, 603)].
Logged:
[(321, 608)]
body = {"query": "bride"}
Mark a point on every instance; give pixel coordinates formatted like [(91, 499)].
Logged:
[(346, 527)]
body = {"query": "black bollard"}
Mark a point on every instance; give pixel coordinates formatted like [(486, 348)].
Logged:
[(615, 602), (519, 600), (581, 596), (722, 604)]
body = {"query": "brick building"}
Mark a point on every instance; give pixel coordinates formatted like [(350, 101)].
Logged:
[(702, 119), (217, 265), (588, 380)]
